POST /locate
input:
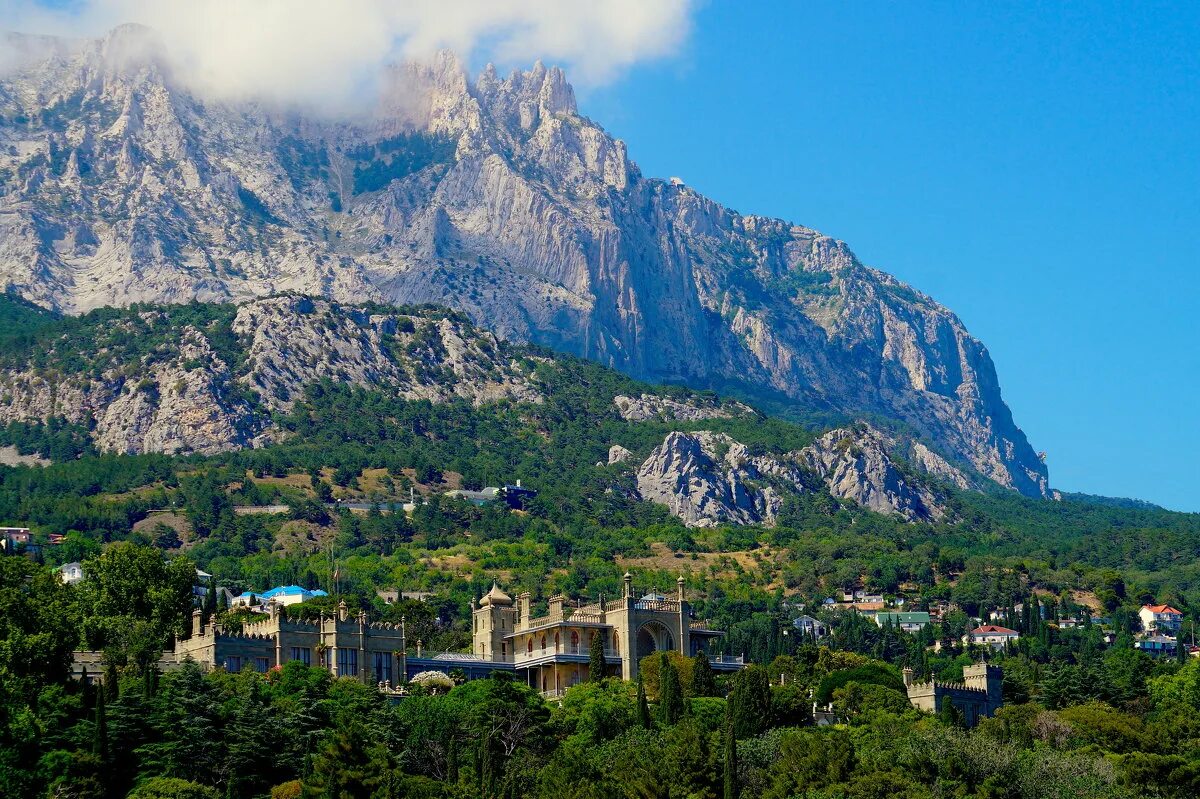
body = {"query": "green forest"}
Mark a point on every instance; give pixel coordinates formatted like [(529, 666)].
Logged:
[(1086, 714)]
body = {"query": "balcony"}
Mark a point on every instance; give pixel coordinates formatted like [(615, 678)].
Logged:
[(563, 654)]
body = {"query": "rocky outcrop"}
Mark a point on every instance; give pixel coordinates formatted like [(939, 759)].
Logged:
[(180, 396), (650, 406), (118, 186), (296, 341), (618, 454), (859, 464), (708, 479)]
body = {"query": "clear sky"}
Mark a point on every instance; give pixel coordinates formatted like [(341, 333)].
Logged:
[(1033, 166)]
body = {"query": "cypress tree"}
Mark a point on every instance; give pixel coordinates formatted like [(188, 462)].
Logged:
[(643, 705), (949, 714), (112, 682), (731, 786), (704, 682), (452, 759), (100, 734), (209, 607), (670, 692), (484, 766), (596, 664)]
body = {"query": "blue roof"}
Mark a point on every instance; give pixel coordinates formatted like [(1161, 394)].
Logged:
[(291, 590)]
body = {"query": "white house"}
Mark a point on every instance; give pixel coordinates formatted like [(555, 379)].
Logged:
[(70, 573), (810, 626), (283, 595), (992, 635), (1160, 619)]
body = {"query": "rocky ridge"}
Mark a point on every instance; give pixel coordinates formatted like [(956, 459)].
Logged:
[(494, 197), (182, 396), (708, 479)]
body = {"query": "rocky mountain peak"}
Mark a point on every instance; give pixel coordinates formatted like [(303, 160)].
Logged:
[(493, 197)]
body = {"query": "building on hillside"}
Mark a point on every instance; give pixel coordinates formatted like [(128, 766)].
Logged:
[(552, 652), (392, 597), (1156, 645), (71, 573), (1160, 619), (912, 621), (515, 496), (991, 635), (978, 696), (481, 497), (281, 595), (14, 538), (813, 628)]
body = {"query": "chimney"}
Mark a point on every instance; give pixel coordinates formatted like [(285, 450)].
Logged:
[(679, 591), (197, 622), (908, 676), (526, 608)]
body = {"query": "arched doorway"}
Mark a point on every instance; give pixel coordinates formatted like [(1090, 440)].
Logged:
[(653, 637)]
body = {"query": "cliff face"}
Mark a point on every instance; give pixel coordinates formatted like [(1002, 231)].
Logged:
[(707, 479), (494, 197), (180, 395)]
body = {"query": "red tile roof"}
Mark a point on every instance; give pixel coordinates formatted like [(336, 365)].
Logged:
[(1161, 609), (993, 629)]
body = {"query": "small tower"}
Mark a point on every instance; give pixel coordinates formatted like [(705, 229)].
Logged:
[(494, 619)]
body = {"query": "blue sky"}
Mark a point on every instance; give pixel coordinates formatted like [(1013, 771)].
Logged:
[(1034, 167)]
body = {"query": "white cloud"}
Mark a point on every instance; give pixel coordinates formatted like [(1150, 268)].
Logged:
[(330, 52)]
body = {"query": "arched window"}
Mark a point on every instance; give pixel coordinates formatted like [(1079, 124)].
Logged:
[(556, 642), (530, 649), (543, 642), (574, 640), (616, 643)]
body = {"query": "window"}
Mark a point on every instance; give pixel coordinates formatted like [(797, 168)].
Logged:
[(302, 654), (543, 642), (233, 663), (503, 651), (574, 641), (347, 662), (261, 665), (383, 667), (556, 642), (530, 647), (616, 643)]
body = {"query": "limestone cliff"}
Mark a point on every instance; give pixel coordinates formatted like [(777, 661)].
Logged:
[(179, 395), (708, 478), (494, 197)]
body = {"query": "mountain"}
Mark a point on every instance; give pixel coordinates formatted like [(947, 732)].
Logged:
[(209, 378), (493, 197)]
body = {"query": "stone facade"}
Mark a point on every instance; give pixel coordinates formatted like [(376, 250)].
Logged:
[(348, 646), (552, 652), (978, 696)]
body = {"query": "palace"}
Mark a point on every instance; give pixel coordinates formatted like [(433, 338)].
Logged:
[(548, 652), (552, 652)]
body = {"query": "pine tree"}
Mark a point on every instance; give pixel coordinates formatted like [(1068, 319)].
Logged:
[(704, 682), (670, 692), (596, 664), (100, 734), (731, 786), (643, 705)]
